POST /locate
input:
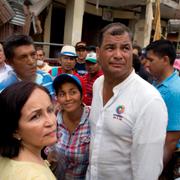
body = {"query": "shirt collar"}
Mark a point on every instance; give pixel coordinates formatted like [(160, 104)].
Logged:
[(84, 117), (166, 81), (123, 83)]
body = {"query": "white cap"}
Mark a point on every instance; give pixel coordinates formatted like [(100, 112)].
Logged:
[(91, 57), (68, 51)]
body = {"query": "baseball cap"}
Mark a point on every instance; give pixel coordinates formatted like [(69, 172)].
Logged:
[(63, 78), (68, 51), (81, 45), (91, 57)]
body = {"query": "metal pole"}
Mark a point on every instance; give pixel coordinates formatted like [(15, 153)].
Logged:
[(48, 44)]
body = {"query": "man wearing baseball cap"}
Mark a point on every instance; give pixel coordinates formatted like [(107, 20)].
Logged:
[(94, 71), (81, 49), (67, 60)]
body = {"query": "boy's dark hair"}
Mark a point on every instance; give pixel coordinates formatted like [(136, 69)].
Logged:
[(163, 48)]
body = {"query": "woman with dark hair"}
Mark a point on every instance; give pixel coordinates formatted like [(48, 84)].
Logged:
[(28, 124), (70, 155)]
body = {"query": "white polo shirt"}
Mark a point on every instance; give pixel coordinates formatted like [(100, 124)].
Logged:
[(128, 133)]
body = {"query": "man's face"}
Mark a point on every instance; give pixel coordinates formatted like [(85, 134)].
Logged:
[(154, 64), (115, 56), (40, 58), (24, 62), (92, 68), (82, 53), (2, 57), (67, 63), (40, 55)]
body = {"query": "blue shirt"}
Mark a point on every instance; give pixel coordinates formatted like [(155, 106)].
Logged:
[(170, 91), (81, 68), (42, 78)]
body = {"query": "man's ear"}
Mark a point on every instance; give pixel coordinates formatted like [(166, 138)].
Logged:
[(166, 60)]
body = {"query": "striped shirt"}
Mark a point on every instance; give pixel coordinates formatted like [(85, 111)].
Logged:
[(89, 81), (45, 80), (42, 78)]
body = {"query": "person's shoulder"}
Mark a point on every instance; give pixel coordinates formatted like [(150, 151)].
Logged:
[(144, 88), (99, 80), (10, 169), (47, 65), (142, 83), (8, 67), (3, 162), (18, 170), (44, 76), (42, 73), (7, 79), (174, 90), (174, 83)]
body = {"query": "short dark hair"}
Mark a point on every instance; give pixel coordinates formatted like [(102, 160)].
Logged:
[(13, 42), (12, 100), (162, 48), (113, 29)]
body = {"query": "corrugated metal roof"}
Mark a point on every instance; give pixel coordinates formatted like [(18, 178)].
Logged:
[(173, 25), (19, 18)]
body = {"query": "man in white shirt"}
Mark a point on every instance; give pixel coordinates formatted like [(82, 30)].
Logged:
[(4, 68), (128, 116)]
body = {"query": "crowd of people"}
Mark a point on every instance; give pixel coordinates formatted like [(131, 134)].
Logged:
[(109, 111)]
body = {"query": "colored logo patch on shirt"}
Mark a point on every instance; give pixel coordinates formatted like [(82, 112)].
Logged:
[(119, 110)]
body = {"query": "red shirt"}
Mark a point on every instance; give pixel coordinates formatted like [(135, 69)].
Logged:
[(89, 84)]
